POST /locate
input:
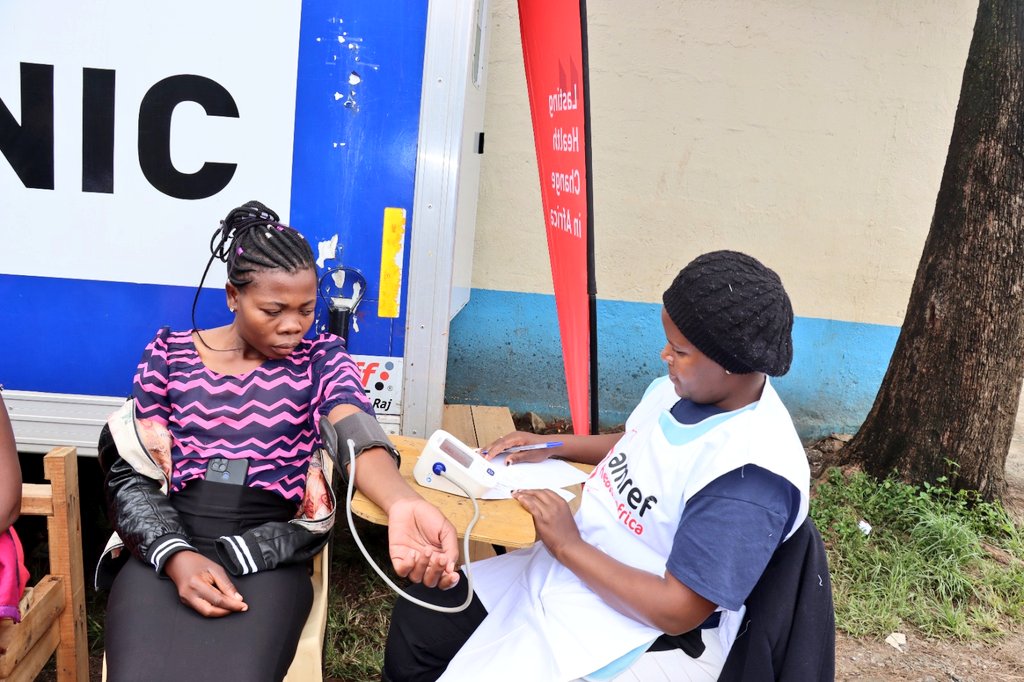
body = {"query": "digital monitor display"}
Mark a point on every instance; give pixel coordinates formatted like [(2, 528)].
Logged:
[(452, 450)]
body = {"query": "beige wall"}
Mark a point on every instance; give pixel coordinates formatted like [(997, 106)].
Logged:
[(810, 133)]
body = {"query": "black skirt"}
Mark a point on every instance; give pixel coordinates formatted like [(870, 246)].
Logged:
[(151, 636)]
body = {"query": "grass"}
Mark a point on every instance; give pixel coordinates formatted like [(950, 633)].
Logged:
[(941, 561), (359, 605)]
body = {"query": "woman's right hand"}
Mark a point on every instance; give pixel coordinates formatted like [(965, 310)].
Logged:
[(204, 585), (518, 438)]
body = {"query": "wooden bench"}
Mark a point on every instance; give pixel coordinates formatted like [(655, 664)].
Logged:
[(53, 614)]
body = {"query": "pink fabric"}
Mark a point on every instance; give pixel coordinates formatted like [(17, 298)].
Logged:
[(13, 575), (268, 415)]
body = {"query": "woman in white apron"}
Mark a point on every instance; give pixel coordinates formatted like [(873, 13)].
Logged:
[(678, 519)]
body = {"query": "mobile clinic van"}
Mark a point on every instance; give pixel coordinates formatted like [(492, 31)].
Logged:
[(128, 130)]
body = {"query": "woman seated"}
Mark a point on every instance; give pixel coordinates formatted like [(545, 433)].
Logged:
[(217, 586), (677, 523)]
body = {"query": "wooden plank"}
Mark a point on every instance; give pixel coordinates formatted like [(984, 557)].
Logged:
[(33, 663), (502, 522), (491, 423), (307, 664), (477, 551), (36, 499), (65, 532), (458, 421), (28, 598), (16, 641)]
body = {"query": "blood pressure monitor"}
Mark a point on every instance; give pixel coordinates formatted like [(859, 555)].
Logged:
[(445, 459)]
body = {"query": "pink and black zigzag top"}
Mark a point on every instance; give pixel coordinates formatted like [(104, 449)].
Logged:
[(269, 415)]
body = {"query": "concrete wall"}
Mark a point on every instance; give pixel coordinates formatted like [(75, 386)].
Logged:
[(809, 133)]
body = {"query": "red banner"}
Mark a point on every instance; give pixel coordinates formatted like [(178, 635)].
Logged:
[(553, 54)]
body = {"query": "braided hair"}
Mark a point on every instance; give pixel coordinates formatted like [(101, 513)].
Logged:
[(252, 239)]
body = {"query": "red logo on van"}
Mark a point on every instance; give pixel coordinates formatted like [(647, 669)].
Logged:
[(372, 372)]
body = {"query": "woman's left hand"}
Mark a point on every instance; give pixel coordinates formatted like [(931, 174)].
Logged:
[(423, 544), (551, 517)]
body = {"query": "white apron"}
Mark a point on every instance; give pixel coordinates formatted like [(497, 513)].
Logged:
[(544, 623)]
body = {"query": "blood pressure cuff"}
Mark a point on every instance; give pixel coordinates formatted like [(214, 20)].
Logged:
[(363, 430)]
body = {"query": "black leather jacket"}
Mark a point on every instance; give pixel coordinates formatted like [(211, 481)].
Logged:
[(149, 527)]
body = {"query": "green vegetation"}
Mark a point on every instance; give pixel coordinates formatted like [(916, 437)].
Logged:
[(360, 605), (942, 561)]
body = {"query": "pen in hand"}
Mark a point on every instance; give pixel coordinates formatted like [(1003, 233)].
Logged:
[(536, 446), (523, 448)]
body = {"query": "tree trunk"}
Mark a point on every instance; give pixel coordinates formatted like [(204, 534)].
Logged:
[(949, 397)]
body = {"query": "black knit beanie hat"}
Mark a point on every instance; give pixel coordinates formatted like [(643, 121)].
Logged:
[(735, 311)]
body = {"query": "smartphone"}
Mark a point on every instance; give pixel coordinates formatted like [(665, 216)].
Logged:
[(224, 470)]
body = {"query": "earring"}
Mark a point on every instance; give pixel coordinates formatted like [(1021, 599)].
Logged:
[(231, 309), (726, 371)]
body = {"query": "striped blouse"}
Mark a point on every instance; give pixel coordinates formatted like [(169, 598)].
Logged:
[(268, 415)]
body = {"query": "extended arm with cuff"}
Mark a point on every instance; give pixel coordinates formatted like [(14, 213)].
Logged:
[(363, 430)]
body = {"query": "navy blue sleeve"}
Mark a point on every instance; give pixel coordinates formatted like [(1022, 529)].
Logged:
[(728, 532)]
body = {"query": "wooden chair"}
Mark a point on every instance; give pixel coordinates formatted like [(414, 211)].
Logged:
[(789, 629), (307, 666), (54, 609)]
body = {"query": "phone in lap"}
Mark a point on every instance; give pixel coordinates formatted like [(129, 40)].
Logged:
[(224, 470)]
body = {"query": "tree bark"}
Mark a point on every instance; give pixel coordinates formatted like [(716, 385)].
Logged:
[(949, 397)]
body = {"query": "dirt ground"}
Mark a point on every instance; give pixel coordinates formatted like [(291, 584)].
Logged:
[(928, 661), (923, 660)]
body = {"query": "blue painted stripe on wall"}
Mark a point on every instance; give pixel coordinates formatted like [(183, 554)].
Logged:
[(504, 350)]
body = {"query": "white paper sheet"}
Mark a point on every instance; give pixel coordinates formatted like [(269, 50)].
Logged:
[(551, 474)]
